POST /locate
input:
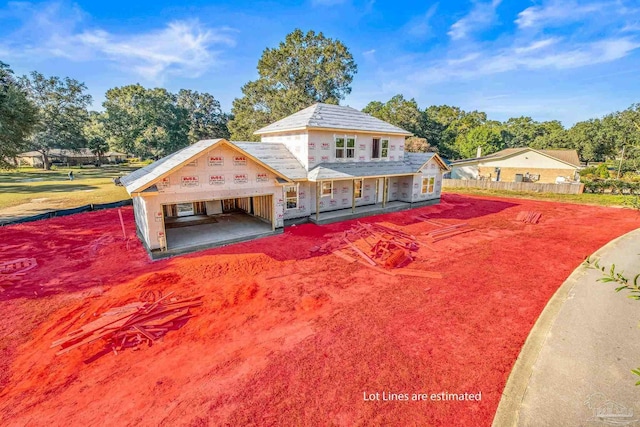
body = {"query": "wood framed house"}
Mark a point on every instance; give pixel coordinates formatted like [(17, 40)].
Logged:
[(323, 164)]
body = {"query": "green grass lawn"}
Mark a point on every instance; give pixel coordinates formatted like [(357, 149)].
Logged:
[(583, 199), (53, 188)]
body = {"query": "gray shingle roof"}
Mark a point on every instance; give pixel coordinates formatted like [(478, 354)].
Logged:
[(328, 171), (331, 116), (416, 160), (276, 156), (566, 156), (141, 177)]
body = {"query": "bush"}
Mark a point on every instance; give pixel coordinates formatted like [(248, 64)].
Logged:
[(602, 171), (611, 186)]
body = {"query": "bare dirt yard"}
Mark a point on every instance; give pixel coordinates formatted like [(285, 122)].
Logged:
[(287, 336)]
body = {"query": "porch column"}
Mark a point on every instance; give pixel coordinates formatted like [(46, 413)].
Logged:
[(317, 201), (385, 191), (353, 196), (274, 210)]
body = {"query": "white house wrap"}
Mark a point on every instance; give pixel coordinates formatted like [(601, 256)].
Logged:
[(323, 159)]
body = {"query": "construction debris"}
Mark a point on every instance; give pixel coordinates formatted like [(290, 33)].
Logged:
[(18, 266), (373, 245), (530, 217), (133, 324)]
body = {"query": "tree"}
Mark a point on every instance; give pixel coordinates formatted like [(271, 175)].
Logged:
[(414, 144), (400, 112), (61, 113), (96, 135), (206, 119), (551, 135), (17, 117), (521, 131), (487, 136), (146, 122), (592, 141), (302, 70)]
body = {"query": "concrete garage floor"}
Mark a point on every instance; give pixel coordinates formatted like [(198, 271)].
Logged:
[(230, 228)]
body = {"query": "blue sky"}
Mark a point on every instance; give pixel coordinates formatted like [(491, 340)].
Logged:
[(549, 59)]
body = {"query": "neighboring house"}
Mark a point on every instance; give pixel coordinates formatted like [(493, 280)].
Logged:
[(323, 164), (520, 164), (114, 157), (81, 156)]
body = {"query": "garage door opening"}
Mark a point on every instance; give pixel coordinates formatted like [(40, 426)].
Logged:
[(211, 223)]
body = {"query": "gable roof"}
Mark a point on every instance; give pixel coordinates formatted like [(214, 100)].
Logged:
[(566, 156), (138, 179), (273, 156), (335, 117), (418, 160)]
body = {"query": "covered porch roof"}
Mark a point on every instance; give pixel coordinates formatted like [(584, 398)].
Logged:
[(337, 171)]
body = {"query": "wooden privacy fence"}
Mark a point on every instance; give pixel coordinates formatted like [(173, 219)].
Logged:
[(533, 187)]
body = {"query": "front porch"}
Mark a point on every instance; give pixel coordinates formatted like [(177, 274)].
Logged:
[(367, 210)]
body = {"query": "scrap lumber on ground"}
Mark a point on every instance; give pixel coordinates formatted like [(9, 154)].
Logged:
[(133, 324), (379, 247), (18, 266), (530, 217), (446, 231)]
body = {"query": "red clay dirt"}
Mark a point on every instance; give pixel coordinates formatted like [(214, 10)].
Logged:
[(286, 336)]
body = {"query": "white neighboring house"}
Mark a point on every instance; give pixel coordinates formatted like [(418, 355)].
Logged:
[(521, 164), (323, 164)]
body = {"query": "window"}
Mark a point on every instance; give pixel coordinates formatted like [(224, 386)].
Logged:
[(339, 147), (327, 188), (345, 147), (375, 151), (291, 196), (385, 148), (357, 189), (427, 185), (351, 148)]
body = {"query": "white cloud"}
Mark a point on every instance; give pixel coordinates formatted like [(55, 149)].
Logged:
[(543, 54), (558, 12), (420, 26), (537, 45), (181, 48), (482, 16)]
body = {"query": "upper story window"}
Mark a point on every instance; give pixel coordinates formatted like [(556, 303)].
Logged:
[(345, 147), (385, 148), (380, 148)]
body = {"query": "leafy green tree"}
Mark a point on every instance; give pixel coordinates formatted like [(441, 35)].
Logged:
[(302, 70), (96, 135), (206, 119), (487, 136), (61, 113), (414, 144), (521, 131), (400, 112), (551, 135), (146, 122), (592, 141), (17, 117)]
